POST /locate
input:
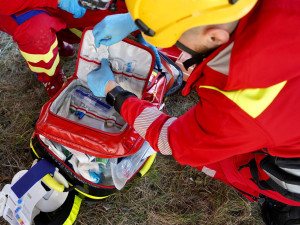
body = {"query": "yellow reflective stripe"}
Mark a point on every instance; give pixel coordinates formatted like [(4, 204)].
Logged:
[(147, 165), (53, 184), (253, 101), (31, 146), (77, 32), (74, 212), (91, 196), (49, 72), (34, 58)]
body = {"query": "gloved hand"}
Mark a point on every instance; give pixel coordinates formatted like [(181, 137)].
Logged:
[(72, 6), (142, 41), (113, 28), (98, 78)]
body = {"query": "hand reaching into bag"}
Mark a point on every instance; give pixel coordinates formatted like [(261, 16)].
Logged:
[(98, 79), (113, 29), (142, 41), (72, 6)]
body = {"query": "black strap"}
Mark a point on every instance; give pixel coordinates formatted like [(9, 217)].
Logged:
[(178, 44), (254, 172), (270, 184), (197, 58), (59, 216), (194, 60)]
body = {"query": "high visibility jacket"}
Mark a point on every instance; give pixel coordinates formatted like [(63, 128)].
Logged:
[(249, 91)]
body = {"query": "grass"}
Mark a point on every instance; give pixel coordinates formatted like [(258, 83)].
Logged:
[(168, 194)]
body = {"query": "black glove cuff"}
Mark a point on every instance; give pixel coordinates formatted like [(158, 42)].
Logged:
[(121, 99), (117, 96)]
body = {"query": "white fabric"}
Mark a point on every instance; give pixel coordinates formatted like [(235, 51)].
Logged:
[(85, 168), (221, 62), (163, 140), (208, 171), (145, 119), (54, 147), (295, 188)]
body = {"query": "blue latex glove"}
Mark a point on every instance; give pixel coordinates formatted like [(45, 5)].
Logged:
[(72, 6), (98, 78), (113, 28), (142, 41)]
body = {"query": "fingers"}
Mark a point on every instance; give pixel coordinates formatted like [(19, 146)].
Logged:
[(104, 62), (98, 37), (102, 38), (80, 13), (107, 41)]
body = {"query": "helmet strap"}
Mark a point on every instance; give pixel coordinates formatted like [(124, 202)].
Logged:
[(194, 60), (197, 58), (178, 44)]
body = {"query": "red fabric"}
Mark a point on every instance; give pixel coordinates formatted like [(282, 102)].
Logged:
[(37, 34), (217, 133), (132, 108), (230, 172), (9, 7)]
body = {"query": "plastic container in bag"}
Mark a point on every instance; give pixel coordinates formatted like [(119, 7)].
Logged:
[(89, 101)]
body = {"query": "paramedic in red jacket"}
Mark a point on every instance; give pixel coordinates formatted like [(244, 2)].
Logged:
[(248, 87), (40, 27)]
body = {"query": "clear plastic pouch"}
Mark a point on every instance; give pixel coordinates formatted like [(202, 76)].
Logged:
[(123, 169)]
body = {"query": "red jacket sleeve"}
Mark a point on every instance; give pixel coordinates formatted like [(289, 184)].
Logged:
[(213, 130), (9, 7)]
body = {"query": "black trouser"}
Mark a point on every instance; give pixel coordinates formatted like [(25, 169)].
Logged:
[(277, 213)]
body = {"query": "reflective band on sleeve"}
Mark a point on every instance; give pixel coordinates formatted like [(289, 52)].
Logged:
[(145, 119), (35, 58), (77, 32), (163, 141), (49, 72)]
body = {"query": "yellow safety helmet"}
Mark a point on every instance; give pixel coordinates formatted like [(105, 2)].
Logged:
[(164, 21)]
